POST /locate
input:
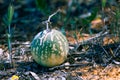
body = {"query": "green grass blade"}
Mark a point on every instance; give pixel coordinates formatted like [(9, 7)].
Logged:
[(104, 3), (10, 13)]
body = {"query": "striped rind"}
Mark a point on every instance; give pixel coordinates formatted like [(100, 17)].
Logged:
[(49, 48)]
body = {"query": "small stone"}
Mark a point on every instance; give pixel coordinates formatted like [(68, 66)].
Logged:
[(60, 78), (67, 65)]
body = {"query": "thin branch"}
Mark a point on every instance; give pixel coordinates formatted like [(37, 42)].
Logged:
[(116, 51), (71, 65), (90, 40)]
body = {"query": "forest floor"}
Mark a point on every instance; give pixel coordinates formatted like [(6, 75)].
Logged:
[(93, 55)]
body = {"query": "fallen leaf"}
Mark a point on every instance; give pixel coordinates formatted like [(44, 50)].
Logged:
[(97, 24)]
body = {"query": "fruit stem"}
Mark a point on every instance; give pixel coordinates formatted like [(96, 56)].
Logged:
[(48, 21)]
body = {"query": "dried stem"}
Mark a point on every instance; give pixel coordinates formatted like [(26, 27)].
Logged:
[(48, 21)]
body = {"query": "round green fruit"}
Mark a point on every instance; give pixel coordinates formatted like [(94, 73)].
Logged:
[(49, 48)]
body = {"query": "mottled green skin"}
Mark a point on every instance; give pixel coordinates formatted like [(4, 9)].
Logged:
[(49, 48)]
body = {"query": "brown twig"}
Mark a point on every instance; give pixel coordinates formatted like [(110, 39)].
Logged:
[(92, 39), (71, 65)]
